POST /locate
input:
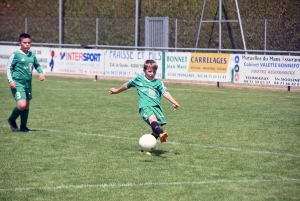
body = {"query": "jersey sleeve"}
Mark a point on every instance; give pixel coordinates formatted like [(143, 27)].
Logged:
[(131, 83), (37, 65), (163, 89), (10, 67)]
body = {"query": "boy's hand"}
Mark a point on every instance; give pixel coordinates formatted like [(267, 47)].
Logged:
[(175, 105), (112, 91), (12, 85), (42, 77)]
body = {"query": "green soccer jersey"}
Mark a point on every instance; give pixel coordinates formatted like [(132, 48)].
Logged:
[(149, 91), (20, 66)]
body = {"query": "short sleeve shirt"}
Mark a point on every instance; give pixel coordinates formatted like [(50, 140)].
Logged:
[(149, 91)]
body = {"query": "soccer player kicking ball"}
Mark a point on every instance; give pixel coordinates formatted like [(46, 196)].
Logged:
[(149, 93), (19, 75)]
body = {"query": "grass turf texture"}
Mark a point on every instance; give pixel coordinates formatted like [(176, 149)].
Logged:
[(224, 144)]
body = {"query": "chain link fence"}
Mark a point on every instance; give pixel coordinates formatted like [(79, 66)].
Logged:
[(260, 34)]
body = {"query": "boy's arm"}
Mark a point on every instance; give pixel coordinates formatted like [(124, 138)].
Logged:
[(168, 96), (10, 67), (119, 90), (37, 66), (39, 69)]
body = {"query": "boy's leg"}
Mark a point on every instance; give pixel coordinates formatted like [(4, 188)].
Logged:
[(158, 132), (24, 117), (18, 94), (150, 114), (156, 129), (15, 114), (12, 119), (160, 121)]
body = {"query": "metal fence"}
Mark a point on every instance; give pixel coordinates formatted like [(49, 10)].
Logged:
[(261, 34)]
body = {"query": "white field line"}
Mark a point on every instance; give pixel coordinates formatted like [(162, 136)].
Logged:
[(181, 144), (191, 90), (171, 89), (186, 144), (115, 185)]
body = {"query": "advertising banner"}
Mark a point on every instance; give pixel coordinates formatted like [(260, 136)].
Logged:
[(129, 63), (76, 61), (266, 69), (42, 55), (5, 52), (197, 66)]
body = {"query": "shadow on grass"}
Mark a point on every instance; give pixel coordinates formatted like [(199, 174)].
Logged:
[(32, 130), (159, 153), (155, 153)]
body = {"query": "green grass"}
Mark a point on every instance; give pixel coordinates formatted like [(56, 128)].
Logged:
[(224, 144)]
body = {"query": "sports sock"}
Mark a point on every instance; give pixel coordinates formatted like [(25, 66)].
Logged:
[(155, 135), (15, 114), (24, 117), (156, 129)]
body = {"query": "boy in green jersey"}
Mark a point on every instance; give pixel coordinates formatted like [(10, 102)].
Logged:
[(149, 93), (19, 75)]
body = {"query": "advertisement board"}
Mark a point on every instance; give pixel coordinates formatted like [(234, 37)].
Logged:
[(129, 63), (76, 61), (266, 69), (197, 66)]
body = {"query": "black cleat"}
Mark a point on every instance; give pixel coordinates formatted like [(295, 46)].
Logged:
[(24, 129), (13, 125)]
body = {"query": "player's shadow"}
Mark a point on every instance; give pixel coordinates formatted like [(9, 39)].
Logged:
[(36, 130), (158, 153)]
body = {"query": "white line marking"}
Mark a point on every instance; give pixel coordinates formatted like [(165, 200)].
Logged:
[(115, 185), (198, 145), (177, 143)]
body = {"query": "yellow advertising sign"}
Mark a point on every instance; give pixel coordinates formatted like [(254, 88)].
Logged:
[(209, 62)]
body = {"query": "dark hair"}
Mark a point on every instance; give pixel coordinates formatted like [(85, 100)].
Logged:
[(150, 63), (23, 35)]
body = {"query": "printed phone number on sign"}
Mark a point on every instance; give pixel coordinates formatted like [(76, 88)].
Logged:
[(207, 76), (287, 81), (117, 72)]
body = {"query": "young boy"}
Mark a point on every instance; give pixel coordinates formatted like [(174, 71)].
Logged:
[(149, 93), (19, 75)]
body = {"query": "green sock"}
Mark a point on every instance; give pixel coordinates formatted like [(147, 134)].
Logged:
[(15, 113), (24, 117)]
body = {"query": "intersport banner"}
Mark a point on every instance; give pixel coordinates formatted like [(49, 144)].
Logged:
[(266, 69), (197, 66), (76, 61)]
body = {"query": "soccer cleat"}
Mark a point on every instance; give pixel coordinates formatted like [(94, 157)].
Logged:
[(24, 129), (148, 153), (13, 125), (163, 137)]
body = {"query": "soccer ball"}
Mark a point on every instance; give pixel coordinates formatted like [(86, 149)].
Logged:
[(147, 142)]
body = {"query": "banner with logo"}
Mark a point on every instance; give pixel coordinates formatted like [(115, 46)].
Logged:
[(197, 66), (266, 69), (129, 63), (76, 61)]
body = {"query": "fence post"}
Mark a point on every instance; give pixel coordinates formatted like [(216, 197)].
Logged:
[(97, 31), (176, 29), (26, 24), (265, 38)]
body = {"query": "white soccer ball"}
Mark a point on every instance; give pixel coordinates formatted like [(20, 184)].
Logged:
[(147, 142)]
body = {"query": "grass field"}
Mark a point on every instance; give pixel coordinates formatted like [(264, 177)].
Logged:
[(224, 144)]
